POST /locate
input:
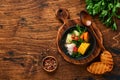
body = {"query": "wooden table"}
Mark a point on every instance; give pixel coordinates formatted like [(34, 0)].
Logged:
[(28, 30)]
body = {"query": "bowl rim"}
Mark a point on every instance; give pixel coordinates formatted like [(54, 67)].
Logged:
[(95, 42), (52, 58)]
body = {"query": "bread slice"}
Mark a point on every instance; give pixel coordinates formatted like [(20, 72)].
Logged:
[(110, 67), (99, 68), (106, 58)]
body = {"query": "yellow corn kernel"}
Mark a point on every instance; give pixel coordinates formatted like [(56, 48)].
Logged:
[(83, 47)]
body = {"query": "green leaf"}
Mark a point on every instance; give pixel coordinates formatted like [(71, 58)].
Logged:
[(114, 27), (118, 5), (78, 28), (104, 13), (78, 55), (114, 9), (107, 10), (110, 6), (90, 8), (88, 1), (118, 16), (108, 21), (103, 3), (75, 42), (96, 8)]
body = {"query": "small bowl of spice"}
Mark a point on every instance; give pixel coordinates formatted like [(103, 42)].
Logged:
[(49, 63)]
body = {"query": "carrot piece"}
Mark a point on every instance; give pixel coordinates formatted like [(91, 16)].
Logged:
[(86, 36), (82, 36)]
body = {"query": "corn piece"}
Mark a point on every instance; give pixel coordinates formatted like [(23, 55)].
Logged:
[(83, 47)]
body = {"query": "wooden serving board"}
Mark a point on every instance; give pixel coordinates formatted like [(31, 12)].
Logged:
[(63, 15)]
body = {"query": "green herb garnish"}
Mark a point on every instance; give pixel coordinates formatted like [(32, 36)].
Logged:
[(76, 55), (80, 30), (78, 42)]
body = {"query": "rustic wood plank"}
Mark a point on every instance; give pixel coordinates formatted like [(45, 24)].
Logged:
[(29, 28)]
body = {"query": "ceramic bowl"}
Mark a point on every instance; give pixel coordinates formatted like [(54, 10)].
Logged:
[(49, 63), (88, 52)]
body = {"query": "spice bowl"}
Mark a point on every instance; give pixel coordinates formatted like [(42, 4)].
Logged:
[(49, 63)]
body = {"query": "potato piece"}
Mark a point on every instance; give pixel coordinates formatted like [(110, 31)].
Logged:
[(83, 47), (76, 33), (69, 38)]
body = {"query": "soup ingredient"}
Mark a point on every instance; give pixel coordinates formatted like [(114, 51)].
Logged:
[(75, 49), (83, 47), (82, 36), (69, 38), (106, 9), (74, 37), (76, 33), (85, 36), (74, 40), (80, 30), (70, 48)]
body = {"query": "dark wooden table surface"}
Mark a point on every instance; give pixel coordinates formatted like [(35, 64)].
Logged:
[(28, 30)]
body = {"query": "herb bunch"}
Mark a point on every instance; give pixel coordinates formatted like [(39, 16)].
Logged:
[(107, 10)]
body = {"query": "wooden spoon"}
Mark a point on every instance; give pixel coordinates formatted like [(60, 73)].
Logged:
[(86, 19)]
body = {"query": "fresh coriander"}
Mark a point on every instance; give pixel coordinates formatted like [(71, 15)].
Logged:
[(106, 9)]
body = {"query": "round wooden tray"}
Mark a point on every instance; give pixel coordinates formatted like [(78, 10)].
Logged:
[(63, 15)]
